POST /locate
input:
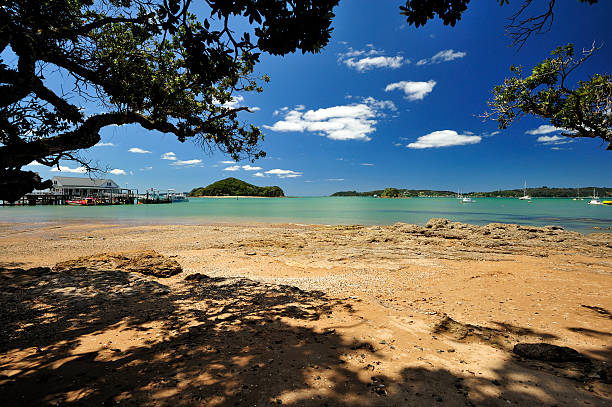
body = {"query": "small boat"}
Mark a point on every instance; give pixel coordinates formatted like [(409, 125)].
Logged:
[(595, 200), (467, 199), (177, 197), (82, 202), (525, 197), (607, 202)]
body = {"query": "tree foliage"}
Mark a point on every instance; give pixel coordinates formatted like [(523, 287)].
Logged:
[(519, 28), (235, 187), (583, 111), (149, 62)]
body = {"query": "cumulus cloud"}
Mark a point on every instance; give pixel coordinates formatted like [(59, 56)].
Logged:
[(412, 90), (250, 168), (35, 163), (117, 171), (189, 163), (78, 170), (169, 156), (366, 59), (444, 138), (365, 64), (232, 168), (284, 173), (446, 55), (259, 174), (234, 102), (101, 144), (345, 122), (544, 129), (554, 140), (138, 150), (228, 162)]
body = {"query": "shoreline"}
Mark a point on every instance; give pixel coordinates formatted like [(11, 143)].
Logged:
[(336, 310)]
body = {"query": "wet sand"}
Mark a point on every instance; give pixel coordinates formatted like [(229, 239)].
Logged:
[(305, 315)]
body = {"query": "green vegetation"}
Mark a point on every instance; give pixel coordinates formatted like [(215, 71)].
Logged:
[(235, 187), (580, 112), (542, 192), (396, 193)]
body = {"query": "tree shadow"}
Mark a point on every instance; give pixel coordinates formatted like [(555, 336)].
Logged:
[(222, 341)]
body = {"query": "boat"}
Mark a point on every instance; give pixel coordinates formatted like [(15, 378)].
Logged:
[(177, 197), (525, 197), (607, 202), (467, 199), (82, 202), (595, 200)]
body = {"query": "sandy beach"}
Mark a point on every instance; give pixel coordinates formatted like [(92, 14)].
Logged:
[(304, 315)]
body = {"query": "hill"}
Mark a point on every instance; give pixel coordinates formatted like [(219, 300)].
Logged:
[(542, 192), (235, 187)]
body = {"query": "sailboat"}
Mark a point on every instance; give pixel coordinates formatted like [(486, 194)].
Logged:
[(525, 197), (578, 198), (595, 200)]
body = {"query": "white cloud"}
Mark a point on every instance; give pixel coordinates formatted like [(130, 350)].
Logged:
[(365, 64), (191, 163), (335, 179), (234, 102), (444, 138), (149, 168), (367, 164), (117, 171), (228, 162), (250, 168), (138, 150), (169, 156), (78, 170), (446, 55), (412, 90), (544, 129), (259, 174), (232, 168), (254, 108), (554, 140), (101, 144), (365, 59), (344, 122), (35, 163), (284, 173)]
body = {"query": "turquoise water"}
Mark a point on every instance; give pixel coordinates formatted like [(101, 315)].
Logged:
[(573, 215)]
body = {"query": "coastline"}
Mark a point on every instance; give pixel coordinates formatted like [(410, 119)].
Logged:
[(421, 309)]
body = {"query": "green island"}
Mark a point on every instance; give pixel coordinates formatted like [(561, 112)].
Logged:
[(542, 192), (235, 187)]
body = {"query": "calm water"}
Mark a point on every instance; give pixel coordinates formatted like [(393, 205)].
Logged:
[(573, 215)]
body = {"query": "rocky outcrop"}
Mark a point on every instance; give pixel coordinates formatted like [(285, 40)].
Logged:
[(147, 262)]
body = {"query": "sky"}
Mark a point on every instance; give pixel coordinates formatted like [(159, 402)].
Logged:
[(387, 105)]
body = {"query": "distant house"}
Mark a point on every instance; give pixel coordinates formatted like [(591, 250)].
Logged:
[(75, 186)]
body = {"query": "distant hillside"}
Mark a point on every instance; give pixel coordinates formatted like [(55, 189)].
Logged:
[(235, 187), (543, 192), (396, 193)]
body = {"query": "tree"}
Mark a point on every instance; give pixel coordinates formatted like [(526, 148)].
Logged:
[(149, 62), (520, 28), (585, 111)]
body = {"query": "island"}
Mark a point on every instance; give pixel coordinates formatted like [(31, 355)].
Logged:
[(235, 187), (541, 192)]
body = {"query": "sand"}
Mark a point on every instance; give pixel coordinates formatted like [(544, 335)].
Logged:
[(304, 315)]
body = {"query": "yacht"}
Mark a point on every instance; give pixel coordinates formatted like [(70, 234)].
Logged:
[(525, 197), (467, 199), (595, 200)]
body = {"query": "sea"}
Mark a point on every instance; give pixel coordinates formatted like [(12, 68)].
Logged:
[(572, 215)]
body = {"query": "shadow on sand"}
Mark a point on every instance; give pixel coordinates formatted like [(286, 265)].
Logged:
[(214, 341)]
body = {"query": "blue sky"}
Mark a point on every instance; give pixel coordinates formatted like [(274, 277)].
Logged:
[(385, 104)]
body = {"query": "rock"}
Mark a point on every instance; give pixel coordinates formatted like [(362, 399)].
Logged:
[(147, 262), (437, 223), (549, 353)]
